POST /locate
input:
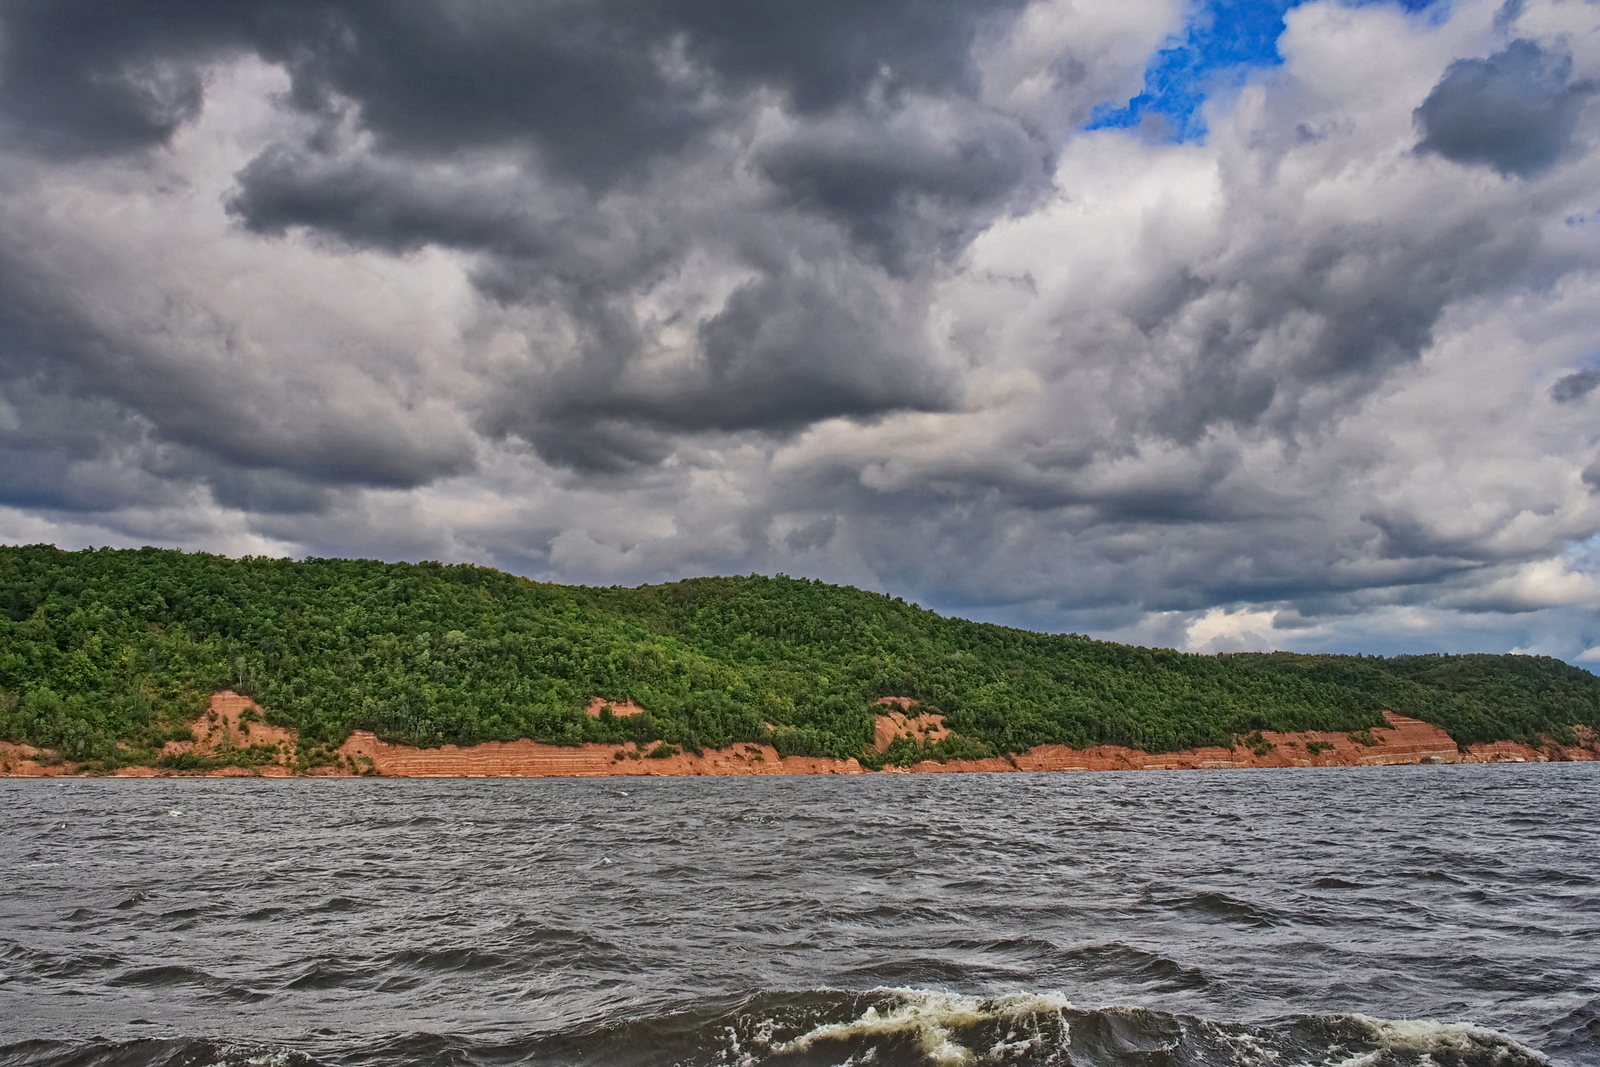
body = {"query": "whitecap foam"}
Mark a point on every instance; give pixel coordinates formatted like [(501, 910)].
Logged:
[(960, 1030), (930, 1018), (1427, 1036), (237, 1055), (1247, 1048)]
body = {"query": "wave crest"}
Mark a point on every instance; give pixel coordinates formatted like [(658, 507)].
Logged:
[(931, 1022), (886, 1027)]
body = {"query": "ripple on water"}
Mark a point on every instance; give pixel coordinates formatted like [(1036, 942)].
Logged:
[(1185, 919)]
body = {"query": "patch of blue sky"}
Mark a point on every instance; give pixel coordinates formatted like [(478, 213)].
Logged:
[(1224, 42), (1586, 548)]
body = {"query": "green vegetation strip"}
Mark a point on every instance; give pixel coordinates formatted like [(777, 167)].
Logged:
[(105, 655)]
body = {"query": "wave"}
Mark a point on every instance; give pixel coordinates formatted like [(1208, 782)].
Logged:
[(170, 974), (943, 1028), (1151, 972), (953, 1030), (1426, 1038), (885, 1027), (151, 1053)]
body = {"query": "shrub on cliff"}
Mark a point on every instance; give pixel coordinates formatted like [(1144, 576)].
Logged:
[(1258, 744)]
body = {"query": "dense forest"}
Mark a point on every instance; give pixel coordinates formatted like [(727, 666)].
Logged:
[(105, 654)]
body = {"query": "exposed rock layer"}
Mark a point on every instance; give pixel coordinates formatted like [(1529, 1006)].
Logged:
[(227, 723), (924, 729)]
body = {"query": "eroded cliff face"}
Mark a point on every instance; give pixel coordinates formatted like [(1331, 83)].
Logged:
[(925, 728), (529, 759), (231, 722), (1405, 741), (21, 761), (234, 722)]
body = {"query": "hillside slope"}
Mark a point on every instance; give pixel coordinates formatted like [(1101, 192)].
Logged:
[(105, 654)]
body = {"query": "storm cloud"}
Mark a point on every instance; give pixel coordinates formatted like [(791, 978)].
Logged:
[(630, 291), (1575, 386), (1514, 110)]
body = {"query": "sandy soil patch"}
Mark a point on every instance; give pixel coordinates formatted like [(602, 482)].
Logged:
[(1405, 741), (924, 729), (530, 759), (24, 761), (233, 721)]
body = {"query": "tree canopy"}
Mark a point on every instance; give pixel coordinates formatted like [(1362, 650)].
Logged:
[(107, 652)]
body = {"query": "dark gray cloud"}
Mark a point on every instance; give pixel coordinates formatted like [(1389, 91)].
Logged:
[(633, 290), (114, 397), (816, 332), (228, 413), (62, 454), (100, 78), (375, 203), (573, 98), (832, 52), (594, 92), (93, 76), (785, 350), (1514, 111), (598, 88), (1508, 13), (880, 179), (1363, 302), (1575, 386), (885, 144)]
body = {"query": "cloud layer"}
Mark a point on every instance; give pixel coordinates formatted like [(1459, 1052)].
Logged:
[(633, 291)]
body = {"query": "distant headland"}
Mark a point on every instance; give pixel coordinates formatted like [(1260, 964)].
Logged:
[(155, 662)]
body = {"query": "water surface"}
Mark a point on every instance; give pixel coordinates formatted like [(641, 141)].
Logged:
[(1419, 915)]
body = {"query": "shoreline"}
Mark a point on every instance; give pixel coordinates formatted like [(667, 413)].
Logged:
[(233, 723)]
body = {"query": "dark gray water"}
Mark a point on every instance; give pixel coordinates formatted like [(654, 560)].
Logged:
[(1426, 915)]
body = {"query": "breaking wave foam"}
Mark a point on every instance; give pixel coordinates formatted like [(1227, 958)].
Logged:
[(886, 1027), (1419, 1040), (942, 1029), (930, 1020)]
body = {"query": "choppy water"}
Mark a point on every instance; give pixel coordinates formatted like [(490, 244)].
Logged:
[(1420, 916)]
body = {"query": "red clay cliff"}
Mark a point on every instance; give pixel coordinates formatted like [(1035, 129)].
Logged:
[(233, 722)]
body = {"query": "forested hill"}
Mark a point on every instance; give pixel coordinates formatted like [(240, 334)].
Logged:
[(103, 646)]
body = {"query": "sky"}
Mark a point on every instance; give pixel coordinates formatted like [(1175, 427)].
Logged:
[(1222, 326)]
